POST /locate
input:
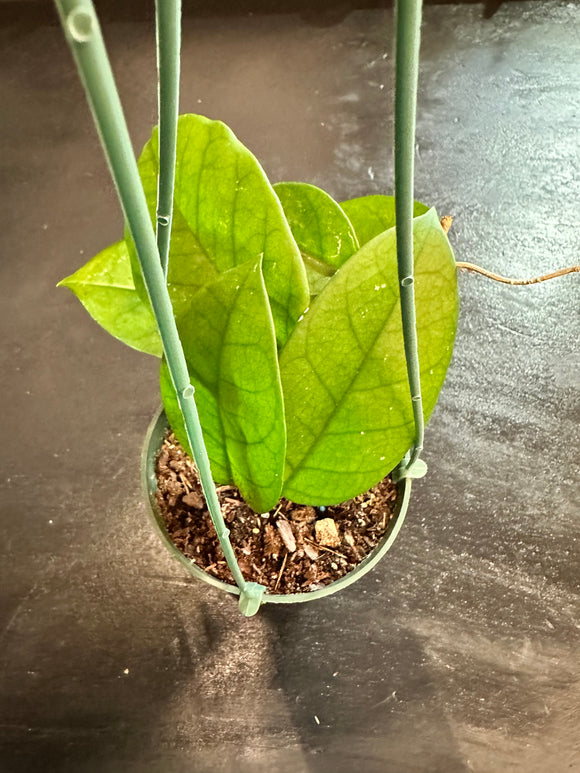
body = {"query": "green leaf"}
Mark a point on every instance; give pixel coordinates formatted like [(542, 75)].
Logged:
[(230, 347), (371, 215), (105, 287), (348, 408), (324, 235), (225, 214)]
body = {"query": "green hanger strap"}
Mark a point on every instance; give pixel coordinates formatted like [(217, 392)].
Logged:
[(408, 35)]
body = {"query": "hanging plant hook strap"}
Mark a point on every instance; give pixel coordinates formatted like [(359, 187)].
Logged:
[(83, 34), (168, 32), (408, 35)]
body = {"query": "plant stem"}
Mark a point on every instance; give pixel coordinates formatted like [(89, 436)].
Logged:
[(168, 29), (508, 281), (446, 221), (83, 34), (408, 21)]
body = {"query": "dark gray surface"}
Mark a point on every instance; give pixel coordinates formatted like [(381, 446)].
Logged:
[(460, 652)]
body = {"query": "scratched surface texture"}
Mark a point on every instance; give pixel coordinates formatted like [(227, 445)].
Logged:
[(460, 652)]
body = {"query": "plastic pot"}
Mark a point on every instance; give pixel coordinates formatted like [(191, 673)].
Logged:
[(152, 445)]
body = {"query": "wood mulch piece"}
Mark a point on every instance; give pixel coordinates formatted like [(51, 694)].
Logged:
[(293, 548)]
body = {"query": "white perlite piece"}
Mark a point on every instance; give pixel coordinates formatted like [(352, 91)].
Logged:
[(193, 499), (287, 535), (310, 551), (327, 533)]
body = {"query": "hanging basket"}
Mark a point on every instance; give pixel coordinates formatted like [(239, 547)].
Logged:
[(153, 442)]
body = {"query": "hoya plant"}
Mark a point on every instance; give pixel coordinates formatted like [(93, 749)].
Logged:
[(303, 342), (287, 306)]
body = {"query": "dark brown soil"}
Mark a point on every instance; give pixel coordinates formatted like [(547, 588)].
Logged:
[(291, 549)]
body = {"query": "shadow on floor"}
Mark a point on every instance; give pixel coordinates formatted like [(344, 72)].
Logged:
[(359, 692)]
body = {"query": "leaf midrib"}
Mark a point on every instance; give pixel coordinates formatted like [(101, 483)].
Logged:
[(84, 283)]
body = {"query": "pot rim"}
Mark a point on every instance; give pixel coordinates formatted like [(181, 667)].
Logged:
[(151, 446)]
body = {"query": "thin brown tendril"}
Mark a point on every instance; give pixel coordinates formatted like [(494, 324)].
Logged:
[(508, 281), (446, 225)]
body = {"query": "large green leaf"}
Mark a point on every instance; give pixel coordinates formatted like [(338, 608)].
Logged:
[(225, 214), (230, 347), (105, 287), (371, 215), (323, 232), (348, 408)]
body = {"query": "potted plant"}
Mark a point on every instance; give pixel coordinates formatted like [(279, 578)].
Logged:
[(304, 342)]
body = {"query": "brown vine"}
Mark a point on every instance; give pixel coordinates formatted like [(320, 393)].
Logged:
[(446, 225)]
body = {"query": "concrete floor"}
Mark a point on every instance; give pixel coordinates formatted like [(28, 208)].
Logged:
[(460, 651)]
